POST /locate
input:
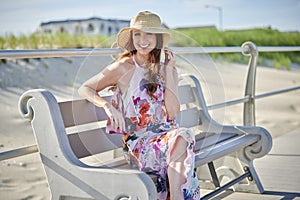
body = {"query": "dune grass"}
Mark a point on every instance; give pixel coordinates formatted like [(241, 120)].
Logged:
[(48, 41), (261, 37), (200, 37)]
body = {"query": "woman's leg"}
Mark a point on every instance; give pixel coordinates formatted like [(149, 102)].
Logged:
[(176, 168)]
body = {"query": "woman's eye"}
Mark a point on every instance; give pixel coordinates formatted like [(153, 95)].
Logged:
[(137, 34)]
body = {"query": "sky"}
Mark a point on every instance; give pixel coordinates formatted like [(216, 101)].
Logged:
[(24, 16)]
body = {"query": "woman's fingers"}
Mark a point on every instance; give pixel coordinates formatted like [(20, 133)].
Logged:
[(119, 123), (122, 124), (116, 118), (170, 59), (114, 123)]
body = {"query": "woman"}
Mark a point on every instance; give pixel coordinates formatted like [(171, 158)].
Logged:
[(144, 108)]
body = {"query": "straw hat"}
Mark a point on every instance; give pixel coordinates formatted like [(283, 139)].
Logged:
[(144, 21)]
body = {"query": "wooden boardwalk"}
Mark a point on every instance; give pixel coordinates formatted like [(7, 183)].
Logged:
[(279, 172)]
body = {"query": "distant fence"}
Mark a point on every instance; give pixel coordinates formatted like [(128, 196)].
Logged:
[(247, 49)]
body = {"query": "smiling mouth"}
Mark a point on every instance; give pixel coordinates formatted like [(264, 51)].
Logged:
[(144, 46)]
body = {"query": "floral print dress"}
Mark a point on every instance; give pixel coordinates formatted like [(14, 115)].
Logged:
[(149, 136)]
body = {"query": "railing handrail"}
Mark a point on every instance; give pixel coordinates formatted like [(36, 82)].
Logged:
[(18, 152), (278, 49), (245, 99), (48, 53), (248, 49)]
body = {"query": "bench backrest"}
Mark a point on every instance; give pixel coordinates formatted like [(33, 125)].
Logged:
[(85, 123)]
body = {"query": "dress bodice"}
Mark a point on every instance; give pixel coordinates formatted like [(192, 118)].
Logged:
[(139, 109)]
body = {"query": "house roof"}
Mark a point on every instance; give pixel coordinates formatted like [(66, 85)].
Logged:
[(82, 20)]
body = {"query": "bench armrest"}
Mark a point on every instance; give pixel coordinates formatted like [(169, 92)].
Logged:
[(99, 182), (258, 149)]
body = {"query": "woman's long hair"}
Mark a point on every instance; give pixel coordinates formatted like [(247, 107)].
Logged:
[(154, 68)]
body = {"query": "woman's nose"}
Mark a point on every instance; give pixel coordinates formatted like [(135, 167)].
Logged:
[(143, 37)]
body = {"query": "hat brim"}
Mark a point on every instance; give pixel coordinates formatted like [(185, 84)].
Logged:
[(124, 35)]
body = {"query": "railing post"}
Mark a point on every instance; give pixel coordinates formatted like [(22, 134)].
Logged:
[(249, 106)]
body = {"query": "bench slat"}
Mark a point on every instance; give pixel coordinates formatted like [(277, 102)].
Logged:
[(189, 118), (79, 112), (92, 142), (99, 141), (228, 143), (226, 147), (186, 94), (211, 140)]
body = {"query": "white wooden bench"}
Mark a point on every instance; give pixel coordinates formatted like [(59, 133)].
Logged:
[(81, 161)]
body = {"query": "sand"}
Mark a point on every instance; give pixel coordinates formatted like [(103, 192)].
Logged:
[(23, 177)]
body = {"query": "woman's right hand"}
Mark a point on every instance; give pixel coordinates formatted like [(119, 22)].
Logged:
[(169, 57), (115, 116)]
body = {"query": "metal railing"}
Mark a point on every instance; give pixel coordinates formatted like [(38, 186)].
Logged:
[(50, 53), (247, 49)]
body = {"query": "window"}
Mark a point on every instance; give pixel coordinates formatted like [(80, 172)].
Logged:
[(90, 28), (78, 29), (109, 30), (62, 29), (101, 28), (48, 31)]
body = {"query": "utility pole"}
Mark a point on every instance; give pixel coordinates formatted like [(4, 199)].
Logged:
[(220, 10)]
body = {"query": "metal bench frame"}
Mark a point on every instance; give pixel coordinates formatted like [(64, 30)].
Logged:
[(63, 152)]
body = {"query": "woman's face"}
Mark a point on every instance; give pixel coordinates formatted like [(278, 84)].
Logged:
[(143, 42)]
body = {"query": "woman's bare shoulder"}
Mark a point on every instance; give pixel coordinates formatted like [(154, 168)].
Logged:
[(127, 62), (122, 65)]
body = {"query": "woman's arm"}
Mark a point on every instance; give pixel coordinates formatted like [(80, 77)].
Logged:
[(89, 90), (171, 90)]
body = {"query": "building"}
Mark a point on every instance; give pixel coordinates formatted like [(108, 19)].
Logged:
[(89, 26)]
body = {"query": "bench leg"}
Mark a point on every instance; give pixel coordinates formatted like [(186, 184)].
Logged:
[(205, 178), (232, 167), (213, 174), (253, 185), (229, 172), (226, 186)]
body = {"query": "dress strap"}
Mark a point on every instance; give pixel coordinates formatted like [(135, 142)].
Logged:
[(135, 63)]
